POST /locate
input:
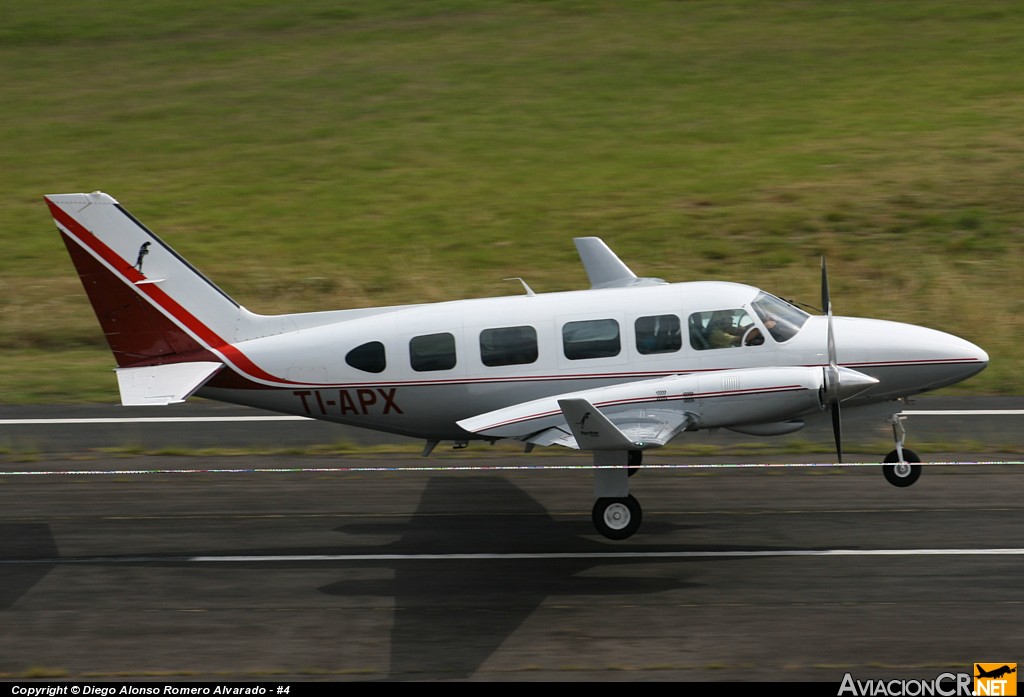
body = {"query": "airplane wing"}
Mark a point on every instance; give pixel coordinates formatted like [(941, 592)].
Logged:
[(634, 429), (649, 413), (634, 416)]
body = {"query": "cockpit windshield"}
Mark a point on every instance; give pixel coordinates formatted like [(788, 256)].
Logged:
[(781, 319)]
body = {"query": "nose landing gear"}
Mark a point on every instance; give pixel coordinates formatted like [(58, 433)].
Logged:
[(902, 471)]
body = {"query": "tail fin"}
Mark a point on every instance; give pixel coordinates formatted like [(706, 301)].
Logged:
[(154, 307)]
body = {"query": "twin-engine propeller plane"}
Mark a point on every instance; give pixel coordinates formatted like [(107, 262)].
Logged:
[(623, 367)]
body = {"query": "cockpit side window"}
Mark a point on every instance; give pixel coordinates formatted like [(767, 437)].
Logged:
[(781, 319), (719, 329)]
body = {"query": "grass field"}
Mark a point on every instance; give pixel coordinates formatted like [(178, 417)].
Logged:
[(319, 155)]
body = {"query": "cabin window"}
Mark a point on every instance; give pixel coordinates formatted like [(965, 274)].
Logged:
[(432, 352), (723, 329), (594, 338), (658, 334), (508, 346), (368, 357)]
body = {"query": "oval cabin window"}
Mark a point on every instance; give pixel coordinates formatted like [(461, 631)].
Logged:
[(368, 357)]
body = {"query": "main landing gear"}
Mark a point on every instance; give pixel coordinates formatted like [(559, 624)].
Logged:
[(617, 514), (901, 468), (617, 517)]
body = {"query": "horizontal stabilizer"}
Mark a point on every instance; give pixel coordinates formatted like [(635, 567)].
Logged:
[(157, 385)]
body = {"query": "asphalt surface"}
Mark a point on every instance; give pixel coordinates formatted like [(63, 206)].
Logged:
[(323, 575), (860, 426), (212, 569)]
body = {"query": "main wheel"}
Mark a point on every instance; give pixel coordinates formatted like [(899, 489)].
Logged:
[(902, 473), (617, 518)]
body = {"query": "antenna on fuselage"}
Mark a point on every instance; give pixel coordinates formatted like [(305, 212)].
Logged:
[(526, 287)]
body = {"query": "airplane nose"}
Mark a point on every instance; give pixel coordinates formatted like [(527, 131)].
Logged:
[(971, 356), (976, 353), (944, 359), (905, 358)]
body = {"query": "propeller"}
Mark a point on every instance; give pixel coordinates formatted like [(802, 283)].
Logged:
[(833, 381), (840, 383)]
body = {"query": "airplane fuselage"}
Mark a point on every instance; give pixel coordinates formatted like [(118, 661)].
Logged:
[(428, 366)]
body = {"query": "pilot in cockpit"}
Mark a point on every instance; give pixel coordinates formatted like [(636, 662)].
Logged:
[(722, 333), (756, 338)]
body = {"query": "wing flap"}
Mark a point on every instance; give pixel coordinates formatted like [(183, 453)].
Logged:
[(554, 436), (158, 385), (649, 427), (652, 427)]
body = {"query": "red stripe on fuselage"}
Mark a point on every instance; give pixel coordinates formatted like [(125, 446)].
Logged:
[(643, 400)]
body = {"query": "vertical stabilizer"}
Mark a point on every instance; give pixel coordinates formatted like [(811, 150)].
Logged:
[(154, 307)]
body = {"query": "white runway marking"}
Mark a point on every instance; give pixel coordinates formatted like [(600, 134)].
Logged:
[(962, 412), (471, 468), (147, 420), (295, 558), (229, 419)]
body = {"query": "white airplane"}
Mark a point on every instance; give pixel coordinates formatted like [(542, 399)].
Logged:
[(620, 368)]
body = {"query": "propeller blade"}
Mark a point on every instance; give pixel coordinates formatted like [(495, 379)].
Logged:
[(833, 361), (826, 301), (837, 429), (826, 306), (833, 379)]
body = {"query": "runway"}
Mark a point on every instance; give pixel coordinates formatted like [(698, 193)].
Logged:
[(791, 575)]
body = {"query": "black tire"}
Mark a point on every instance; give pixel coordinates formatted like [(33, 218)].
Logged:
[(902, 474), (617, 518)]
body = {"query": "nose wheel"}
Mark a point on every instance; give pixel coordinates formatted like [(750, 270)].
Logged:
[(903, 470), (902, 473), (617, 518)]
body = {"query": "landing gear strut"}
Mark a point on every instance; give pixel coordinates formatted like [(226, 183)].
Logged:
[(902, 471), (617, 514), (636, 458)]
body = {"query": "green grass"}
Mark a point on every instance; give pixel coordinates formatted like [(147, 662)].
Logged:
[(311, 156)]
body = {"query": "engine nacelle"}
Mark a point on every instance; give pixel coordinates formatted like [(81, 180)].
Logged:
[(779, 428)]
